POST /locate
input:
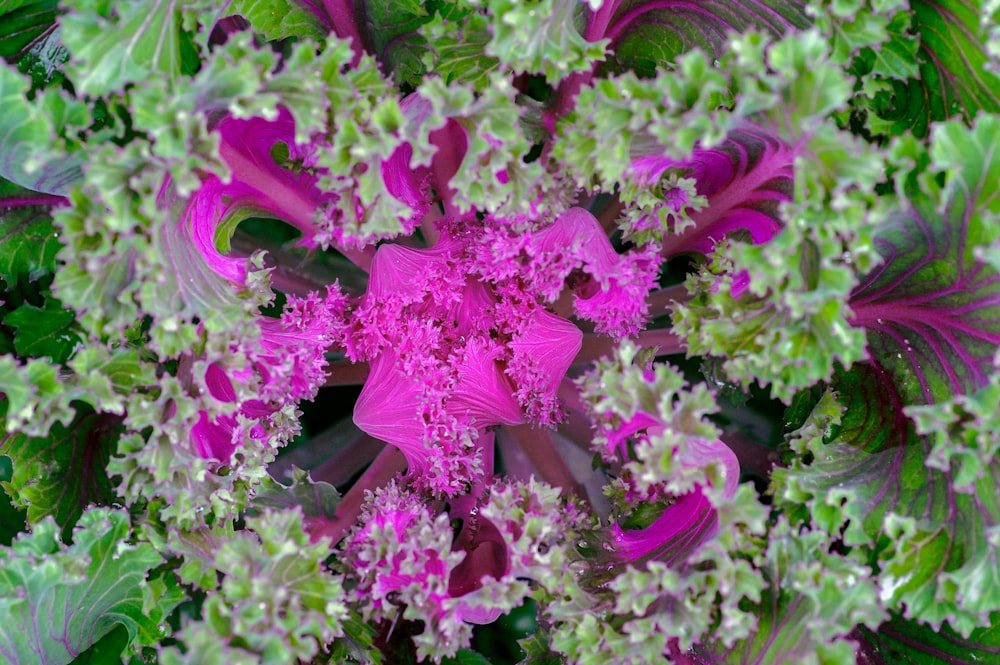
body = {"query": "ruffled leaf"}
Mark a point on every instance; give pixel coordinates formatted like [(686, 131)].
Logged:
[(60, 600), (279, 19), (113, 44), (809, 608), (276, 599), (646, 35), (541, 37), (30, 154), (871, 482)]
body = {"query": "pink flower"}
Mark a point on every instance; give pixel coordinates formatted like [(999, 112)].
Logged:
[(450, 357)]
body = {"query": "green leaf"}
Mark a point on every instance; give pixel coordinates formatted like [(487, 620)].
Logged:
[(466, 657), (280, 19), (896, 57), (276, 602), (456, 39), (870, 485), (540, 36), (48, 332), (28, 239), (30, 152), (113, 44), (493, 174), (647, 35), (57, 601), (318, 500), (23, 25), (392, 28), (63, 473), (12, 519), (812, 602), (902, 642), (955, 73)]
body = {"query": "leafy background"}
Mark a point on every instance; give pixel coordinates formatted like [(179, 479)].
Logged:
[(920, 409)]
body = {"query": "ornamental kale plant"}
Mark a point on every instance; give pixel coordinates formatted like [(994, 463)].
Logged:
[(500, 331)]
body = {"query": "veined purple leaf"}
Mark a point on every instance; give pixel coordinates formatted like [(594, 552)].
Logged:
[(744, 180), (870, 485), (932, 310), (902, 642), (648, 34)]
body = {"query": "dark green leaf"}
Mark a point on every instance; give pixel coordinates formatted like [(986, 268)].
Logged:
[(954, 77), (28, 239), (392, 29), (48, 332), (60, 475), (12, 520), (466, 657), (902, 642), (24, 24)]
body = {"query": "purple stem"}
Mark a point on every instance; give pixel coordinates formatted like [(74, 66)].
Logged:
[(597, 27), (345, 25), (36, 200), (538, 445)]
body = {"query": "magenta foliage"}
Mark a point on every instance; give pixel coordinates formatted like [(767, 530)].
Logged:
[(744, 179)]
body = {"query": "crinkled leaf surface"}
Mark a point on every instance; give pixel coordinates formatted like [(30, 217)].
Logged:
[(278, 19), (541, 36), (812, 601), (57, 601), (114, 43), (647, 34), (870, 482), (392, 30)]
